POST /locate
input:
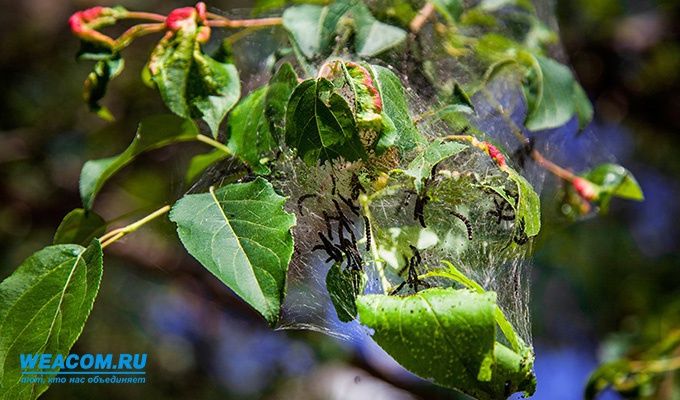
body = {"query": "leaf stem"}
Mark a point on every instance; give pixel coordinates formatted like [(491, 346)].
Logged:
[(135, 32), (454, 274), (535, 154), (213, 143), (243, 33), (145, 15), (219, 21), (116, 234), (657, 366)]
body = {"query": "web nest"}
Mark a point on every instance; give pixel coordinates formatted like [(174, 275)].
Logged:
[(384, 233), (351, 217)]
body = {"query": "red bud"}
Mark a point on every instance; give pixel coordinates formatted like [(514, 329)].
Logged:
[(494, 153), (585, 188)]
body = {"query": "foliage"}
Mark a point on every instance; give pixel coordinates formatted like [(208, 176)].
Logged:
[(355, 119), (45, 304)]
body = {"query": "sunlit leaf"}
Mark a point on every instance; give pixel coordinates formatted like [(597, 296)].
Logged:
[(372, 36), (614, 180), (396, 110), (153, 132), (321, 130), (43, 307), (241, 234), (192, 84), (421, 166), (365, 96), (448, 336), (313, 27), (79, 227), (549, 91)]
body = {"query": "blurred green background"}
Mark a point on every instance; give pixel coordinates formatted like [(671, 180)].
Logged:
[(601, 288)]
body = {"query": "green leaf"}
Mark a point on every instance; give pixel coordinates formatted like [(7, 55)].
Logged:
[(640, 372), (216, 92), (343, 288), (241, 234), (549, 92), (449, 9), (460, 98), (267, 5), (153, 132), (365, 96), (192, 84), (43, 307), (249, 136), (421, 166), (79, 227), (201, 162), (493, 5), (396, 111), (321, 130), (528, 208), (448, 336), (281, 87), (614, 181), (372, 36), (313, 27), (97, 81), (584, 108)]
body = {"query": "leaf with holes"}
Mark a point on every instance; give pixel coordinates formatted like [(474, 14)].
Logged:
[(421, 166), (241, 234), (321, 129), (43, 307), (448, 336), (343, 288)]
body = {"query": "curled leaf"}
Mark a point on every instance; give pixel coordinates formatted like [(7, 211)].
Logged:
[(192, 84)]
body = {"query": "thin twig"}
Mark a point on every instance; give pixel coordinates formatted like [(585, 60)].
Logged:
[(213, 143), (535, 154), (135, 32), (424, 13), (116, 234), (145, 15), (218, 21)]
